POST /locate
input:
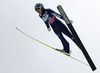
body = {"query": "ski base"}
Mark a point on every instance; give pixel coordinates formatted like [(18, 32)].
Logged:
[(78, 41)]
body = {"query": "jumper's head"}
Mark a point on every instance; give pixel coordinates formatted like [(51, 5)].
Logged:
[(39, 7)]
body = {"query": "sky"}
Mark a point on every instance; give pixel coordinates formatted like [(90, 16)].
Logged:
[(20, 54)]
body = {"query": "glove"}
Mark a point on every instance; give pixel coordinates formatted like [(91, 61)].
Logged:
[(71, 21), (49, 29)]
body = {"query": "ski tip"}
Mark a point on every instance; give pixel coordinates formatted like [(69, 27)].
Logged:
[(16, 27), (58, 6)]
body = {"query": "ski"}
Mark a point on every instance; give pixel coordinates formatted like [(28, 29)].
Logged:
[(80, 45), (51, 47)]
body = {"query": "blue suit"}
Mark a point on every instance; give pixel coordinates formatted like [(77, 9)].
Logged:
[(49, 18)]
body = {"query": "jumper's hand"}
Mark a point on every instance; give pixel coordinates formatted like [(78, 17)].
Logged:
[(49, 29), (71, 21)]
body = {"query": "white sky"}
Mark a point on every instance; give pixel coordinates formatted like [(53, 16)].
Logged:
[(20, 54)]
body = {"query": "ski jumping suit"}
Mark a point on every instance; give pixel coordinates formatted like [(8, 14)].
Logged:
[(49, 17)]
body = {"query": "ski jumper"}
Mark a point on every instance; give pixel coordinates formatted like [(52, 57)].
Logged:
[(49, 18)]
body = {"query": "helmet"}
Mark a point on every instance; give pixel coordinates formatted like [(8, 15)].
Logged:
[(39, 6)]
